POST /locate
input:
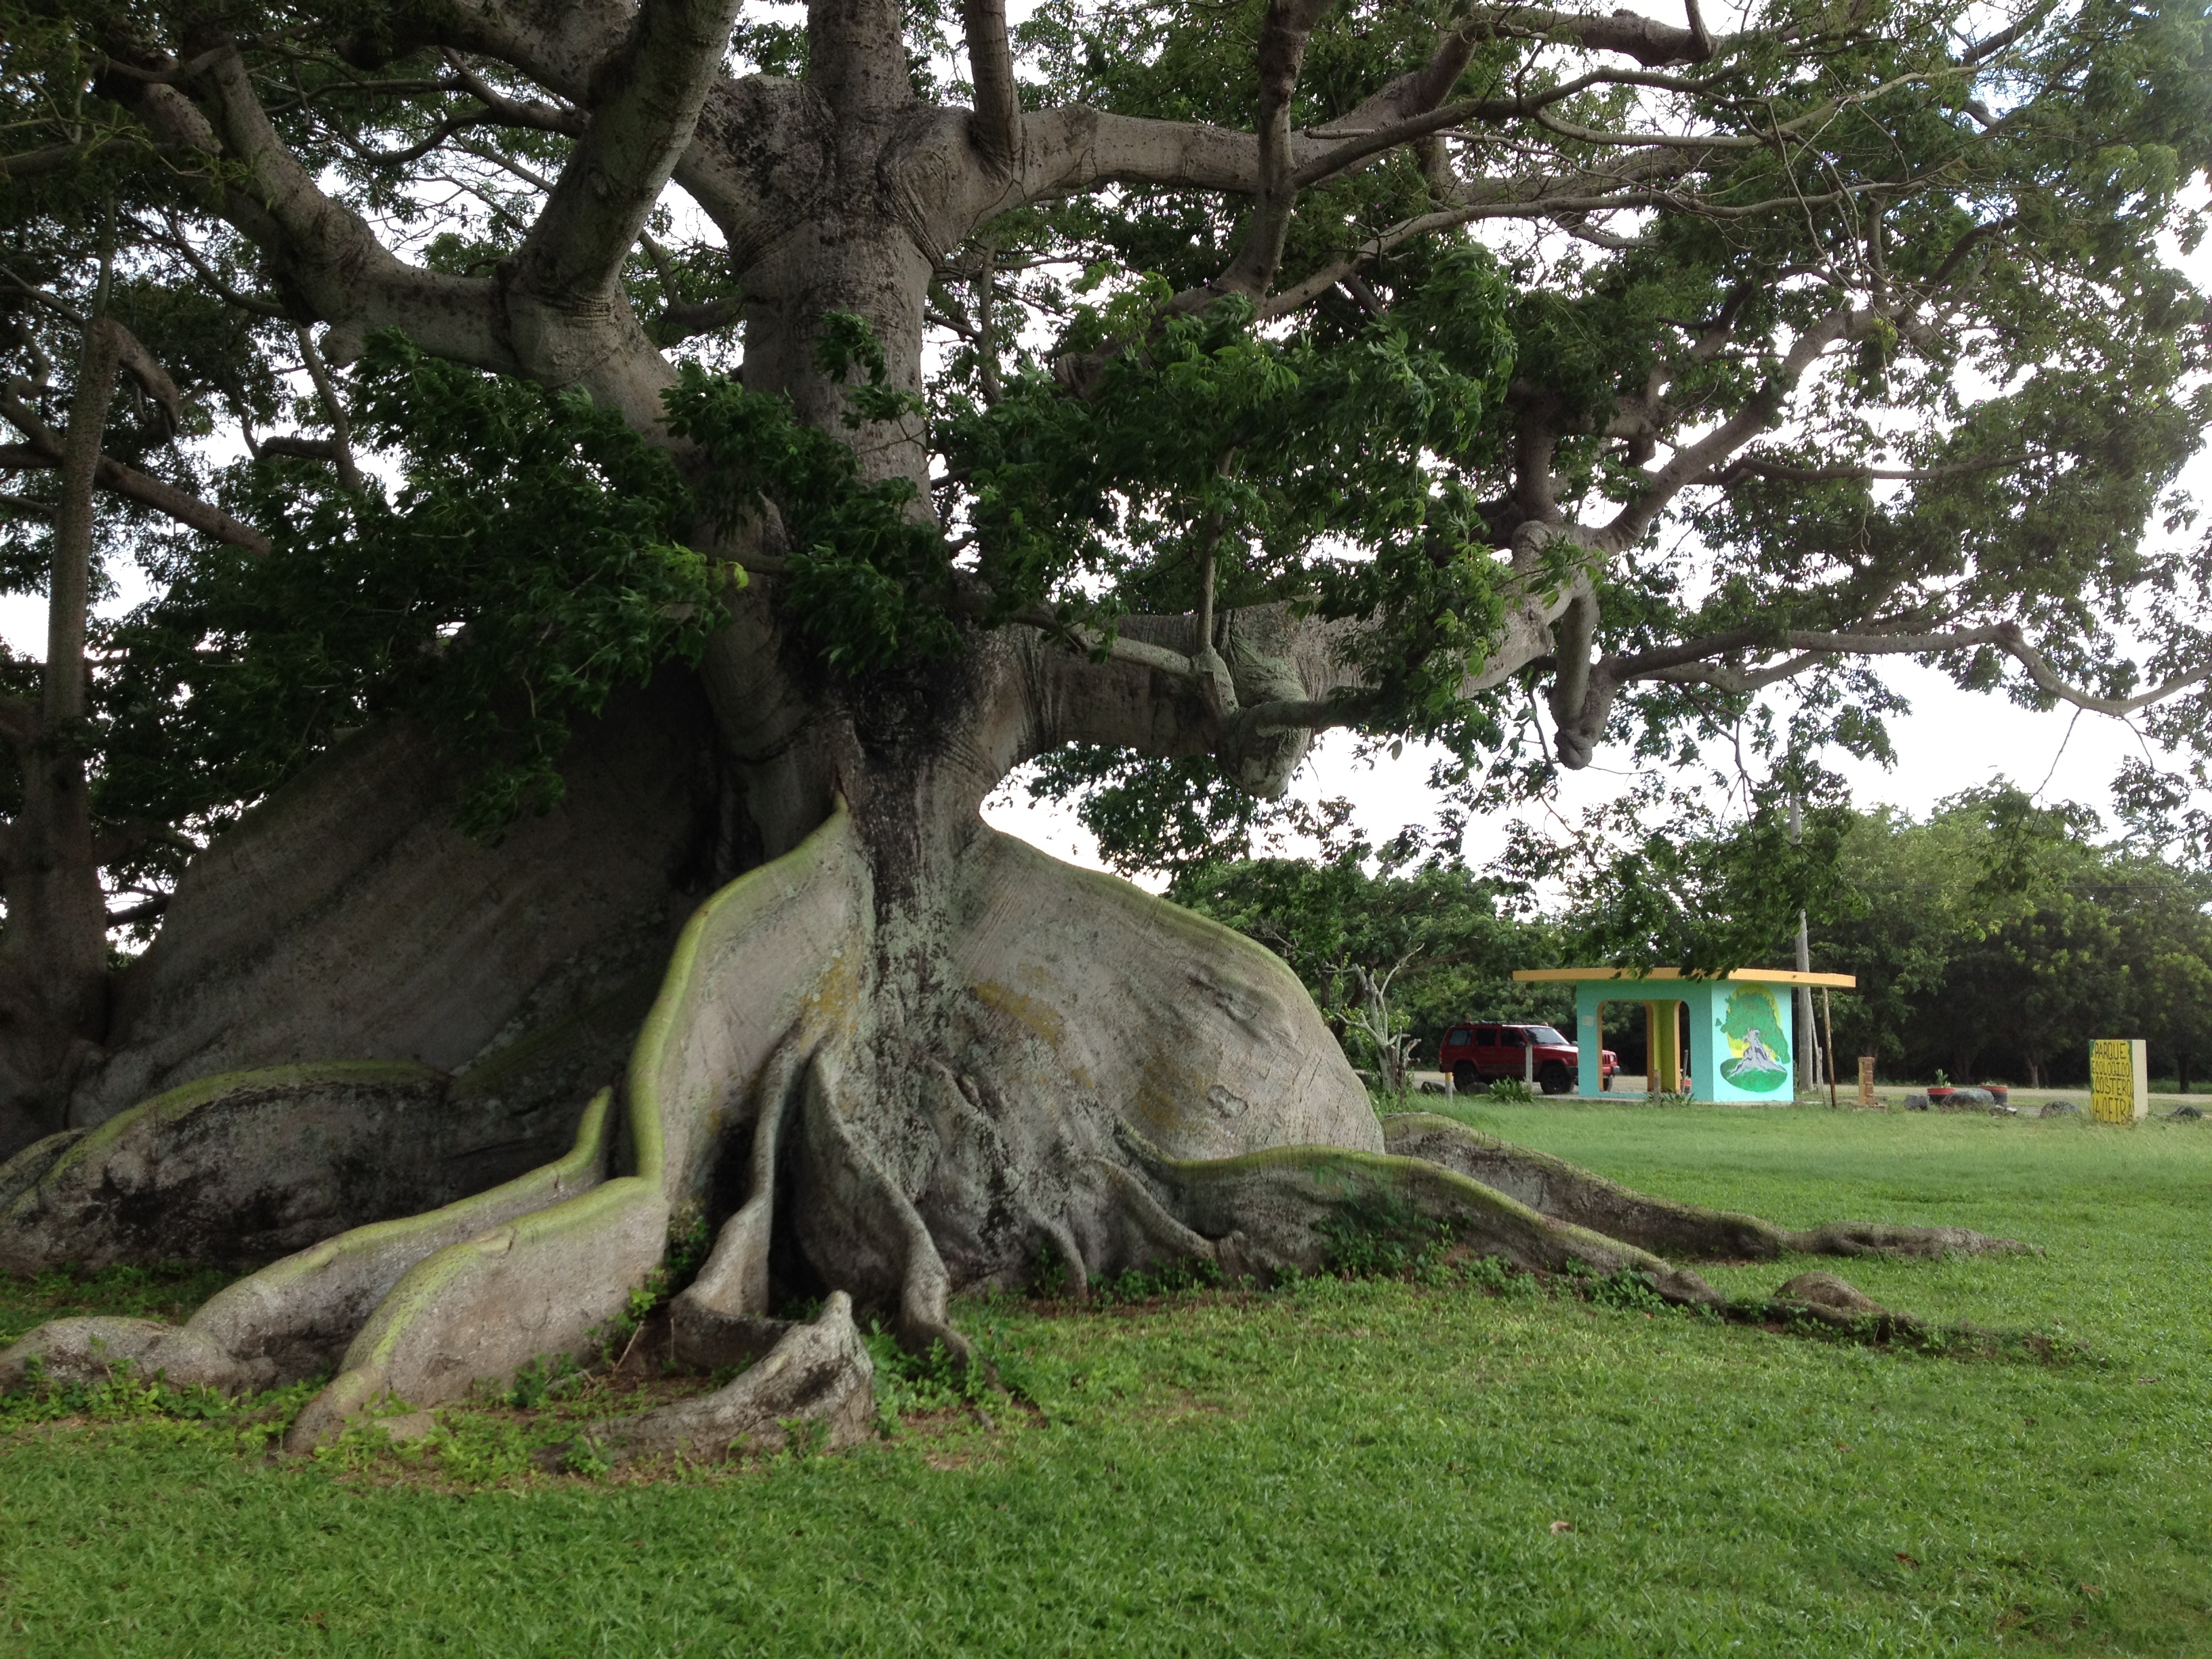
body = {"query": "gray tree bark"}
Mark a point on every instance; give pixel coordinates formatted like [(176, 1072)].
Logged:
[(875, 1046)]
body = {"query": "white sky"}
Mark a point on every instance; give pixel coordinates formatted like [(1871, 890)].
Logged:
[(1952, 741)]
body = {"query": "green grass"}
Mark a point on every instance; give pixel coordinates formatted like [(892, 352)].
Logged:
[(169, 1292), (1344, 1468)]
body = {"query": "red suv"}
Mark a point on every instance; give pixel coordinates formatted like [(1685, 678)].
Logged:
[(1475, 1055)]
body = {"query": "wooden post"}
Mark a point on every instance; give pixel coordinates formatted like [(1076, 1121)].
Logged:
[(1828, 1020)]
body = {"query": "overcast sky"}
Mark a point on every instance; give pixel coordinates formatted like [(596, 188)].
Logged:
[(1952, 741)]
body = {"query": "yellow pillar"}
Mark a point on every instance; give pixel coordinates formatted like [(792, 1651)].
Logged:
[(1663, 1040)]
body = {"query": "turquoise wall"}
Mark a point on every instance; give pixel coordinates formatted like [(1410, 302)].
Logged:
[(1740, 1033)]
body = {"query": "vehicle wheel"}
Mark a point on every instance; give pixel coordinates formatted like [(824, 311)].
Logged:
[(1557, 1079), (1465, 1078)]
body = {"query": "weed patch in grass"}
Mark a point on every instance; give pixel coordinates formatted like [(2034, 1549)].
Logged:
[(170, 1291)]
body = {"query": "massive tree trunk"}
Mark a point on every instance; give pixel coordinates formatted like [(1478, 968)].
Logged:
[(53, 953), (765, 967), (899, 1055)]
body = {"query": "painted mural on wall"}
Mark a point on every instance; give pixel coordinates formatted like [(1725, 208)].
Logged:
[(1759, 1057)]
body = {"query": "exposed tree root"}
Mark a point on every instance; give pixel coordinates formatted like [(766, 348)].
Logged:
[(816, 1373), (1821, 1304), (721, 1317), (240, 1167), (851, 1212), (897, 1114), (1554, 1188), (346, 918), (1276, 1209), (1880, 1238)]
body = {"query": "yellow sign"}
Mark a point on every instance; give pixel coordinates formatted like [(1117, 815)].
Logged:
[(2119, 1082)]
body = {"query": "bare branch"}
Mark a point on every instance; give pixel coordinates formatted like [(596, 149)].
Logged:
[(1288, 25), (1682, 663), (177, 240), (1755, 466), (1649, 41), (1693, 462), (530, 113), (57, 158), (333, 409), (45, 450), (1325, 163)]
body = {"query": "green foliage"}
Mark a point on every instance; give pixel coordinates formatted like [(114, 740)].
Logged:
[(536, 1379), (1654, 879), (1997, 936), (1380, 1235), (869, 581), (689, 1241), (925, 1381), (1440, 926), (1181, 1277), (530, 564), (249, 1422), (168, 1291), (1203, 433), (1088, 440)]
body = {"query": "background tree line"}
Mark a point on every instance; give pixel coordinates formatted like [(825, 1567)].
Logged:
[(1992, 938)]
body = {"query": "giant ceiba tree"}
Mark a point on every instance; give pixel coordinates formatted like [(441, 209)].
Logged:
[(695, 451)]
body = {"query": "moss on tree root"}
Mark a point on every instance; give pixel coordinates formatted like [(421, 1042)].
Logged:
[(764, 1080)]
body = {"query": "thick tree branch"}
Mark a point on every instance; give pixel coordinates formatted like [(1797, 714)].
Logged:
[(57, 158), (997, 127), (574, 253), (68, 584), (1649, 41), (1283, 33), (330, 261)]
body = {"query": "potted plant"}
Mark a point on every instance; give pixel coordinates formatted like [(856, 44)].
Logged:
[(2002, 1092), (1939, 1089)]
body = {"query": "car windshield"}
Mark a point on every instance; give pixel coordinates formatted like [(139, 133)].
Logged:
[(1544, 1034)]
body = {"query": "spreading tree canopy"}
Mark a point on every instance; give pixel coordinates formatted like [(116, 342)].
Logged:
[(602, 463)]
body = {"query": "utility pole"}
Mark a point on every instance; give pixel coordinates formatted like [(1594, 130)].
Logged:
[(1808, 1047)]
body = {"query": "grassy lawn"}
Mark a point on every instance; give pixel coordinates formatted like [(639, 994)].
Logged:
[(1353, 1467)]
